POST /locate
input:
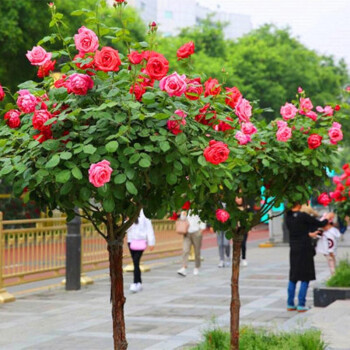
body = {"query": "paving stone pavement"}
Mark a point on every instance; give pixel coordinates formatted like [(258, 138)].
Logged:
[(170, 313)]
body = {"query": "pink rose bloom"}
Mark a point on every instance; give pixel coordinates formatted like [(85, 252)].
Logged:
[(40, 117), (288, 111), (284, 134), (222, 215), (2, 93), (300, 90), (306, 105), (12, 118), (79, 84), (38, 56), (336, 180), (174, 84), (242, 138), (335, 133), (281, 124), (312, 115), (243, 110), (100, 173), (86, 40), (328, 111), (248, 128), (26, 102), (174, 122)]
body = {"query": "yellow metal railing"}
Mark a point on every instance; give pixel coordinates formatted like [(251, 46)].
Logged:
[(37, 251)]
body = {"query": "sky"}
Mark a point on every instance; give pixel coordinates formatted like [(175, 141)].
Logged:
[(322, 25)]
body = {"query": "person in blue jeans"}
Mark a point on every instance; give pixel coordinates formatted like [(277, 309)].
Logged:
[(301, 228)]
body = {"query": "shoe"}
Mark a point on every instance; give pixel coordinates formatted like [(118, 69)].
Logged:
[(221, 263), (182, 272), (195, 271), (303, 308), (244, 262), (139, 287), (291, 308), (133, 288), (227, 264)]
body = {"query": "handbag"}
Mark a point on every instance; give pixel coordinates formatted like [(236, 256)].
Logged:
[(181, 227), (138, 244)]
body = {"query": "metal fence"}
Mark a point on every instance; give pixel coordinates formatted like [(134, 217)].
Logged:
[(32, 250)]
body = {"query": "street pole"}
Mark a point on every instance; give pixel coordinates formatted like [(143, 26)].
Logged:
[(73, 253)]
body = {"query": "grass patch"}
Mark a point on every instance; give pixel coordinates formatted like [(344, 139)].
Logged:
[(341, 278), (252, 339)]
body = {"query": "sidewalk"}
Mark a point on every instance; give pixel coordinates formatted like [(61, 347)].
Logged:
[(170, 313)]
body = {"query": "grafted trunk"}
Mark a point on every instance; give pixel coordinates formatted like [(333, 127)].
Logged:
[(117, 295), (235, 301)]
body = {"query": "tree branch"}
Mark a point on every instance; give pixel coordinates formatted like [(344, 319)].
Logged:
[(90, 218)]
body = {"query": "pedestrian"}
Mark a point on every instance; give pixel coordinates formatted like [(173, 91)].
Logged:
[(224, 249), (140, 235), (240, 205), (327, 244), (302, 267), (192, 237)]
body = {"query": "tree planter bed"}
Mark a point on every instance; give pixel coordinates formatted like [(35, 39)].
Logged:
[(323, 296)]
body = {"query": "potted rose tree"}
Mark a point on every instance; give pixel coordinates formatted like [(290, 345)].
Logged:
[(119, 132)]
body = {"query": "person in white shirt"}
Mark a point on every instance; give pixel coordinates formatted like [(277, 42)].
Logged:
[(327, 245), (193, 236), (140, 234)]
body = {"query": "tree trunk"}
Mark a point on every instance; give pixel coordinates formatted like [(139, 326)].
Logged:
[(117, 294), (235, 302)]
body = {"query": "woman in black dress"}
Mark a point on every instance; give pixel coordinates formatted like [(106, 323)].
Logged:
[(301, 228)]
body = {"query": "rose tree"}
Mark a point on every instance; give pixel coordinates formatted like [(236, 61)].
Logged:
[(288, 157)]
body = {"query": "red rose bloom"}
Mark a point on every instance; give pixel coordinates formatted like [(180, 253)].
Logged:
[(43, 135), (233, 96), (314, 141), (60, 82), (45, 69), (337, 108), (174, 216), (40, 117), (217, 152), (12, 118), (85, 66), (207, 115), (324, 199), (107, 60), (2, 93), (157, 66), (135, 57), (223, 126), (222, 215), (212, 87), (187, 205), (345, 166), (138, 90), (194, 89), (185, 50)]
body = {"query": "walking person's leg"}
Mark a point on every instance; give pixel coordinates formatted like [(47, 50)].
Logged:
[(136, 257), (220, 238), (302, 296), (291, 295), (244, 250), (227, 250), (197, 243), (331, 262), (185, 252)]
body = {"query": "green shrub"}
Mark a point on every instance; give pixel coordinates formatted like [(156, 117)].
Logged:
[(252, 339), (341, 278)]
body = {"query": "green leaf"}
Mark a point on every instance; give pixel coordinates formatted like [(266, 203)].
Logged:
[(119, 179), (148, 97), (53, 161), (245, 168), (202, 161), (131, 188), (171, 179), (112, 146), (265, 162), (51, 145), (63, 176), (134, 158), (108, 205), (144, 163), (89, 149), (164, 146), (77, 173), (85, 193), (65, 155), (66, 188)]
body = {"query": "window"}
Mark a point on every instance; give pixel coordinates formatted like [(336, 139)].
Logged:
[(168, 14)]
